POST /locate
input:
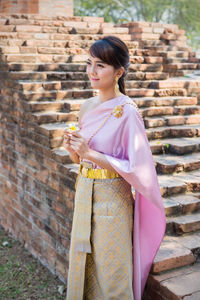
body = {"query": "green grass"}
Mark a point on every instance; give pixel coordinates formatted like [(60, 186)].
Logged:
[(22, 277)]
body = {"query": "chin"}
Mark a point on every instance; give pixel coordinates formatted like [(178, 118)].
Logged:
[(95, 85)]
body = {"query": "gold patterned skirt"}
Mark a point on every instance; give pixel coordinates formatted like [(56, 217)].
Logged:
[(100, 257)]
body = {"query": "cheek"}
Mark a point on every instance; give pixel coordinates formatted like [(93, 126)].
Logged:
[(106, 74)]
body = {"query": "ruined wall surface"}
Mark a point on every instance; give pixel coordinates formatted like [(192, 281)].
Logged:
[(45, 7)]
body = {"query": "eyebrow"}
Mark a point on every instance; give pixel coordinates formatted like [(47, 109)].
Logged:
[(97, 61)]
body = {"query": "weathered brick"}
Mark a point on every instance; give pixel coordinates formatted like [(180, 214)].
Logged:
[(171, 255)]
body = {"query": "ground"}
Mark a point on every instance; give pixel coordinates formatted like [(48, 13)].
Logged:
[(23, 277)]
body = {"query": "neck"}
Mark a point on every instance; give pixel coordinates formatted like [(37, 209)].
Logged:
[(108, 95)]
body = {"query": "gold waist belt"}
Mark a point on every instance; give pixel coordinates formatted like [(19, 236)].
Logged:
[(87, 171)]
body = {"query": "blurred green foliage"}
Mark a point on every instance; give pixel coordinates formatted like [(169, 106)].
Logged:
[(185, 13)]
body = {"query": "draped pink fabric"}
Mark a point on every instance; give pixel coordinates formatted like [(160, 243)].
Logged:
[(124, 143)]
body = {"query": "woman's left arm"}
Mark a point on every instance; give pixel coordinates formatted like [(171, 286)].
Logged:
[(79, 144)]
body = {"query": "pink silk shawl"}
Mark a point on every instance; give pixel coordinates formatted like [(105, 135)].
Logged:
[(124, 143)]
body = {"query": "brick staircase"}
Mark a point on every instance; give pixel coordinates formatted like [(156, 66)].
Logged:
[(43, 84)]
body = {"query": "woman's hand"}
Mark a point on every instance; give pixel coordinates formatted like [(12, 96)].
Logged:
[(78, 144), (73, 155), (67, 145)]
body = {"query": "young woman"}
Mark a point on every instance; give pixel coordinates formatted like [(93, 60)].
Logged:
[(114, 237)]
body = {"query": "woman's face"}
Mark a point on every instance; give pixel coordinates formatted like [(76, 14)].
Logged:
[(101, 75)]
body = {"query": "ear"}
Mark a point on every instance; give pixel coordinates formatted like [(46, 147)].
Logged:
[(120, 72)]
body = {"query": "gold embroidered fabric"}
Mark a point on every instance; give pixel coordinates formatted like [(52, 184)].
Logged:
[(105, 273)]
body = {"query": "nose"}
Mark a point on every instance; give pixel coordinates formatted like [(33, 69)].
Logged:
[(92, 69)]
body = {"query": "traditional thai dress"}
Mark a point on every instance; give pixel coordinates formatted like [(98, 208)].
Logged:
[(115, 236)]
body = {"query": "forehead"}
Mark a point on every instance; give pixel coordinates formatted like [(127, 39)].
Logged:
[(95, 59)]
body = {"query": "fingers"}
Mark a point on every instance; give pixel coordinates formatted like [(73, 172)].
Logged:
[(76, 134)]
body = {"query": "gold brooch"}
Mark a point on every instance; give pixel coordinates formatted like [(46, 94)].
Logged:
[(117, 111)]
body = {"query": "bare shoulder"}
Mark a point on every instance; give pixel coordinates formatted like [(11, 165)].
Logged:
[(87, 106)]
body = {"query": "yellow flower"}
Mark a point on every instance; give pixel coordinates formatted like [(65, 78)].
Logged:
[(117, 111), (72, 127)]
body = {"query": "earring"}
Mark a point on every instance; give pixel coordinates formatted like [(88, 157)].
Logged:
[(116, 85)]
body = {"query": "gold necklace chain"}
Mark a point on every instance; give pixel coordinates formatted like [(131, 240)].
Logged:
[(99, 128)]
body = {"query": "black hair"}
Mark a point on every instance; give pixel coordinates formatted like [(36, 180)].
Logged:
[(113, 51)]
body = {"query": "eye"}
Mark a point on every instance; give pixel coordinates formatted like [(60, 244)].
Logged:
[(87, 62), (100, 65)]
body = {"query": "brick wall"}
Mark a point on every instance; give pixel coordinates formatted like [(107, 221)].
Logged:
[(46, 7), (36, 191)]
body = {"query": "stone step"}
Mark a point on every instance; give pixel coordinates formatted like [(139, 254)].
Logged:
[(64, 105), (146, 59), (172, 36), (194, 60), (56, 95), (147, 75), (45, 54), (171, 120), (182, 283), (66, 27), (50, 27), (170, 163), (171, 255), (52, 116), (71, 44), (165, 101), (151, 102), (69, 28), (167, 48), (149, 122), (183, 224), (42, 50), (70, 93), (181, 73), (70, 66), (142, 52), (58, 36), (176, 43), (48, 86), (146, 67), (54, 133), (177, 60), (176, 83), (173, 54), (61, 155), (192, 180), (144, 36), (62, 48), (156, 92), (43, 18), (46, 76), (182, 204), (175, 145), (181, 66), (48, 67), (175, 131), (173, 184), (169, 110), (42, 58), (52, 130), (84, 83), (27, 85), (149, 44)]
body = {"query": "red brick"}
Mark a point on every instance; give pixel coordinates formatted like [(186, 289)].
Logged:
[(171, 255)]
